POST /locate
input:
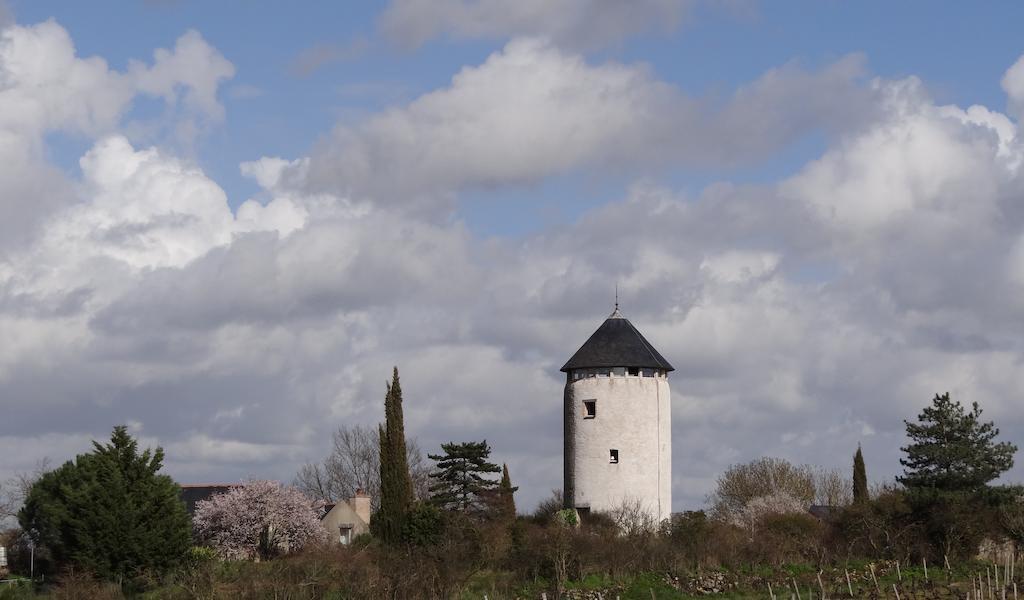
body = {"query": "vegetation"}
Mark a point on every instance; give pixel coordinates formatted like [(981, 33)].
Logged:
[(758, 540), (396, 494), (109, 511), (860, 478), (260, 519), (506, 496), (952, 450), (354, 464), (461, 482)]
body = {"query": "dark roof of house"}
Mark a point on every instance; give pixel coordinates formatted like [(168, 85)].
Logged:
[(193, 493), (616, 343)]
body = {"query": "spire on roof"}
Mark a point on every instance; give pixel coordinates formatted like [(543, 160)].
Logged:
[(615, 313)]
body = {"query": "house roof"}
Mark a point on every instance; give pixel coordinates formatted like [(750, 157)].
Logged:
[(616, 343), (193, 493)]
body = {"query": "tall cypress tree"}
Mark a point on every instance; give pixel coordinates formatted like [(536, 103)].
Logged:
[(396, 494), (506, 495), (860, 479)]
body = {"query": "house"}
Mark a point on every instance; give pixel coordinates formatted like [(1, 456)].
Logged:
[(348, 518), (194, 493)]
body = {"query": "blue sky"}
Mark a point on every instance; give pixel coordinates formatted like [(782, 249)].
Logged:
[(227, 238), (276, 108)]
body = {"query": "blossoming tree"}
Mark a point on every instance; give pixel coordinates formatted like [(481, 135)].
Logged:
[(258, 520)]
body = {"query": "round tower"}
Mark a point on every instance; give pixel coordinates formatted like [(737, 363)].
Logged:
[(618, 423)]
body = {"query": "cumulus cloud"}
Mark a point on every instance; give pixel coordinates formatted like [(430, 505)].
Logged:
[(1013, 85), (45, 87), (585, 23), (531, 111), (803, 315)]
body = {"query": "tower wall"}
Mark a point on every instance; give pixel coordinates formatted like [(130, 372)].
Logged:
[(633, 416)]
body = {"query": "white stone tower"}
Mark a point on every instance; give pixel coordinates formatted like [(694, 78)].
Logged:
[(618, 422)]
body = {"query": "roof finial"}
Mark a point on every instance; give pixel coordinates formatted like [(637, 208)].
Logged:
[(615, 313)]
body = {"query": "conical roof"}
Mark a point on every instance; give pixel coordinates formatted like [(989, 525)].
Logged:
[(616, 343)]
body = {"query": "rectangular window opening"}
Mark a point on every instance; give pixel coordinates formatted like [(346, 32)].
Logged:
[(589, 409), (613, 456), (634, 371), (346, 534)]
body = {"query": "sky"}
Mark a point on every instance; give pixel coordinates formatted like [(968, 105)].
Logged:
[(223, 223)]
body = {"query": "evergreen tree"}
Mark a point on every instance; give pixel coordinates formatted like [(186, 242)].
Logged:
[(506, 495), (860, 478), (396, 495), (109, 511), (461, 485), (952, 450)]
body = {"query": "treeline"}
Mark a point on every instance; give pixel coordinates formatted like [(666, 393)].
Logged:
[(110, 524)]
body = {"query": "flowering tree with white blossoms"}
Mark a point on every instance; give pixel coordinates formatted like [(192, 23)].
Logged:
[(258, 520), (776, 503)]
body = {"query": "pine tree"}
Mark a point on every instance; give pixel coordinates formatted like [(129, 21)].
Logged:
[(952, 450), (396, 495), (109, 511), (461, 485), (860, 478)]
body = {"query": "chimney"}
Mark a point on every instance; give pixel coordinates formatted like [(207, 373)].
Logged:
[(361, 505)]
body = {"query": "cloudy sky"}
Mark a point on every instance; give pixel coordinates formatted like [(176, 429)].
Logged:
[(222, 224)]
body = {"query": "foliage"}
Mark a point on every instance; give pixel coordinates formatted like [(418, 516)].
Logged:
[(506, 509), (764, 477), (691, 532), (793, 537), (831, 488), (547, 508), (258, 520), (354, 464), (757, 509), (109, 511), (396, 492), (423, 525), (860, 478), (461, 484), (952, 450)]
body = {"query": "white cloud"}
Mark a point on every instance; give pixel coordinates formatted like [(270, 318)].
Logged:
[(532, 111), (1013, 85), (802, 315), (192, 72), (45, 87)]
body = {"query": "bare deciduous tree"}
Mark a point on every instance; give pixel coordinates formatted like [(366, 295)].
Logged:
[(766, 476), (832, 488), (633, 517), (354, 464), (14, 490)]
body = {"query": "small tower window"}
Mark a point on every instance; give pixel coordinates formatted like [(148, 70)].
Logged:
[(613, 456), (589, 409), (634, 371)]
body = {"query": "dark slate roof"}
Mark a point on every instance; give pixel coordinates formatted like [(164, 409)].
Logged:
[(616, 343), (193, 493)]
